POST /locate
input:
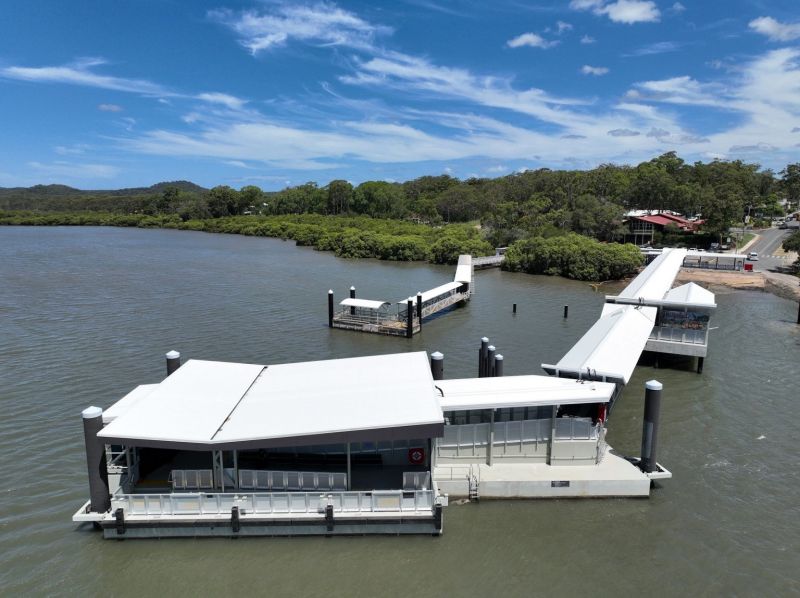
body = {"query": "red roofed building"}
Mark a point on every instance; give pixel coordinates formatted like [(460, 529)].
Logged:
[(644, 225)]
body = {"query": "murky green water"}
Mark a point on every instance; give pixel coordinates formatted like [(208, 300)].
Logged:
[(88, 313)]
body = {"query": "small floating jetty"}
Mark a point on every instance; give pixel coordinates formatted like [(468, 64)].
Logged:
[(405, 317)]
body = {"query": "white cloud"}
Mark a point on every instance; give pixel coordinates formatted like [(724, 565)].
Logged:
[(594, 70), (534, 40), (229, 101), (562, 27), (80, 73), (678, 90), (655, 48), (413, 74), (775, 30), (321, 23), (621, 11), (74, 170), (497, 169), (677, 8), (586, 4), (588, 39), (71, 150), (110, 108)]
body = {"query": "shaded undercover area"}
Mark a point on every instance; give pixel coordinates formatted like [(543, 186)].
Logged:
[(372, 466), (317, 426)]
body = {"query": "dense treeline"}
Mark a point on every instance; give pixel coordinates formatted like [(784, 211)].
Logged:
[(573, 256), (426, 218), (356, 236), (532, 203)]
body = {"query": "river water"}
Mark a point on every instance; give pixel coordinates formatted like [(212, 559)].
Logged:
[(88, 313)]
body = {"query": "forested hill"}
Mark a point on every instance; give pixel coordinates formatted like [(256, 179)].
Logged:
[(49, 191)]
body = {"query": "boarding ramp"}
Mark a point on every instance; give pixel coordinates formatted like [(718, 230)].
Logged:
[(644, 316)]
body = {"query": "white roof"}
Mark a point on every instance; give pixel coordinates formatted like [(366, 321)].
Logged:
[(188, 406), (613, 345), (125, 403), (519, 391), (691, 293), (225, 405), (433, 293), (364, 303), (657, 278), (464, 269)]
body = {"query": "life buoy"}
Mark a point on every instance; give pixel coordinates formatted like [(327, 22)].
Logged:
[(416, 456)]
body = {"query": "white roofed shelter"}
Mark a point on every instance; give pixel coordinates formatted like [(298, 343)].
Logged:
[(208, 405)]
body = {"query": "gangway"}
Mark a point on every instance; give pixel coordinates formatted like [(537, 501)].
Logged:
[(648, 315)]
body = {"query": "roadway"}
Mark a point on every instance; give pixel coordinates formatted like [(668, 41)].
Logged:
[(766, 245)]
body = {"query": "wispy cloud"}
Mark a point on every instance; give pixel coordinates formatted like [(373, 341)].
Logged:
[(677, 8), (110, 108), (81, 73), (594, 70), (229, 101), (534, 40), (321, 23), (623, 133), (74, 170), (679, 90), (655, 48), (588, 39), (621, 11), (775, 30), (71, 150)]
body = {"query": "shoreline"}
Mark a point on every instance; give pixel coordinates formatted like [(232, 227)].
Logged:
[(785, 286)]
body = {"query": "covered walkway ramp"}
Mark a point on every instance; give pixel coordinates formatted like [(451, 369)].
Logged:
[(647, 315)]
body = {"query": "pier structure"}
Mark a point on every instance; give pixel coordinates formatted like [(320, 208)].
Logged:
[(367, 315), (367, 445), (648, 315), (226, 449)]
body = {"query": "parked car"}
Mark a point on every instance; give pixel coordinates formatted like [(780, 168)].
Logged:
[(714, 247), (752, 256)]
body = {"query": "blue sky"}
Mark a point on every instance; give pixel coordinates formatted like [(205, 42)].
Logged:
[(99, 94)]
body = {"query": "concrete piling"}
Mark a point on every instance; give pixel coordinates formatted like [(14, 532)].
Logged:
[(482, 357), (437, 365), (330, 308), (490, 351), (173, 362), (410, 318), (514, 308), (99, 496), (700, 361), (652, 408), (352, 296), (566, 311), (419, 308), (498, 365)]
